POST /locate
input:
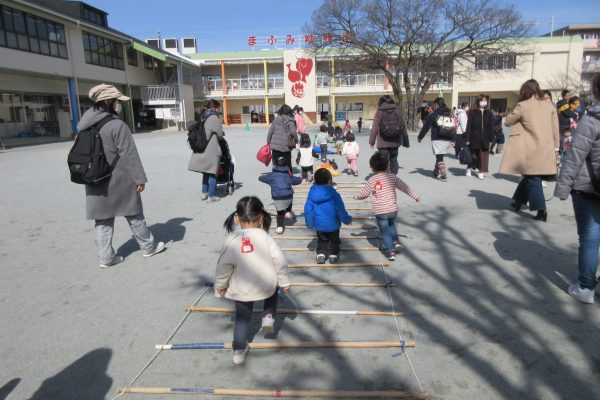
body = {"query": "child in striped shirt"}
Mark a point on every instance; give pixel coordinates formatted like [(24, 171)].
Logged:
[(382, 187)]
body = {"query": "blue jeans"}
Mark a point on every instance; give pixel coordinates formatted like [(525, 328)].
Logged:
[(388, 230), (587, 216), (209, 184), (530, 190)]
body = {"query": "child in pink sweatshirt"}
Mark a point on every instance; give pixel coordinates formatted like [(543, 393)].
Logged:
[(350, 150)]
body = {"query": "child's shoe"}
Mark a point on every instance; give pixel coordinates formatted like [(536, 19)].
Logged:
[(289, 215), (391, 255), (333, 259), (268, 324), (239, 356), (321, 258), (204, 197), (398, 247), (581, 294), (279, 230), (355, 173)]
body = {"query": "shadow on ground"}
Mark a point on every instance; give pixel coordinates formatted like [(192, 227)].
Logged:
[(8, 388), (171, 231)]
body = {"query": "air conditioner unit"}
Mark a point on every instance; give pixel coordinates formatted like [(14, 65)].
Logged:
[(189, 45), (171, 45), (153, 43)]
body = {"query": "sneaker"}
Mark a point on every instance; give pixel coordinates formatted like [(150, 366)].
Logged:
[(355, 173), (321, 258), (289, 215), (268, 324), (204, 197), (398, 247), (544, 184), (480, 175), (583, 295), (279, 230), (116, 260), (443, 178), (468, 173), (159, 247), (391, 256), (212, 199), (333, 259), (239, 356)]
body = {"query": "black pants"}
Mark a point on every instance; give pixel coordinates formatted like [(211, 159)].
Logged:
[(243, 314), (285, 154), (391, 153), (281, 215), (328, 243), (305, 171)]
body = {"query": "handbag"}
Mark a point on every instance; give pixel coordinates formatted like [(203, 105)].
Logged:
[(464, 157), (264, 154)]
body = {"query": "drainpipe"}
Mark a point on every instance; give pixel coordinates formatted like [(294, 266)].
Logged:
[(181, 99), (266, 92), (224, 87), (332, 86)]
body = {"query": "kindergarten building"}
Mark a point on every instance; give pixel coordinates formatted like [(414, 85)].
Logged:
[(252, 85)]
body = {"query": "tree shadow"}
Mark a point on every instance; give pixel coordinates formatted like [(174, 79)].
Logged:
[(170, 231), (507, 177), (8, 388), (490, 201), (422, 171), (457, 171), (86, 379)]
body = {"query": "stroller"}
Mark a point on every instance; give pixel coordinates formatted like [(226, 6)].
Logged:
[(226, 167)]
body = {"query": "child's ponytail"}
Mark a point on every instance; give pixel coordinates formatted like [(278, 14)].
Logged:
[(230, 222), (266, 220)]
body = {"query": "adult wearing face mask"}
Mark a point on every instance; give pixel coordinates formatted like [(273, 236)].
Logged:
[(461, 128), (120, 196), (480, 133)]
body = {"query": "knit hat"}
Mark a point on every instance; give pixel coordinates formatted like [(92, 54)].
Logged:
[(106, 92)]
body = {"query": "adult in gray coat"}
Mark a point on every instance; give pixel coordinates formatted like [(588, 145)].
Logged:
[(120, 196), (208, 162), (580, 166), (388, 148), (282, 134)]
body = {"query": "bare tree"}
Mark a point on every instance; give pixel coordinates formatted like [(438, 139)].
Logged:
[(416, 44)]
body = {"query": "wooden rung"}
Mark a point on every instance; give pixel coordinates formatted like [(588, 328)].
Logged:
[(290, 345), (314, 237), (225, 310), (301, 210), (296, 249), (341, 265), (319, 284), (356, 227), (278, 393)]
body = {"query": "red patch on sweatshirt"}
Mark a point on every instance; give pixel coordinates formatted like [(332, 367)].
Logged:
[(247, 246), (378, 185)]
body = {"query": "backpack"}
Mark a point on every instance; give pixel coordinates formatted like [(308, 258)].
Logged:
[(391, 126), (87, 161), (446, 127), (197, 137)]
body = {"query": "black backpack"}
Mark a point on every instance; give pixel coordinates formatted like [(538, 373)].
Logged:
[(197, 137), (391, 126), (87, 161)]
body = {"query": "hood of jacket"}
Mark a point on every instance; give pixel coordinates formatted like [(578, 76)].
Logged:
[(322, 193), (388, 106), (90, 117), (594, 111), (281, 168)]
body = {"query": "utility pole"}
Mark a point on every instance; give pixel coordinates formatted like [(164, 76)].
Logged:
[(552, 26)]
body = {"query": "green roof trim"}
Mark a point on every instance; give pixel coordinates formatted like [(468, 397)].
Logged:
[(149, 51)]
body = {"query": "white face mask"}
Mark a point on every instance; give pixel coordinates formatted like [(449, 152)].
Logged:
[(118, 108), (483, 104)]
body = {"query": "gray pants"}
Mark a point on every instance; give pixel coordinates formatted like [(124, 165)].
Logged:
[(104, 234)]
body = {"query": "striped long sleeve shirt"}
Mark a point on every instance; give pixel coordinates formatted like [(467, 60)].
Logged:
[(382, 187)]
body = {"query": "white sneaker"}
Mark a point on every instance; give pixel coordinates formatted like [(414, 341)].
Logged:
[(468, 173), (279, 230), (159, 247), (239, 356), (544, 184), (212, 199), (268, 324), (204, 197), (321, 258), (480, 175), (288, 215), (583, 295), (116, 260)]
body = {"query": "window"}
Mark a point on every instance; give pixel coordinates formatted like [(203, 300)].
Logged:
[(148, 62), (26, 32), (102, 51), (132, 56), (496, 62), (187, 43), (153, 43), (91, 15), (171, 44)]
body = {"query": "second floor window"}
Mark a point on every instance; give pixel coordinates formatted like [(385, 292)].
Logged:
[(27, 32), (102, 51), (496, 62), (132, 56)]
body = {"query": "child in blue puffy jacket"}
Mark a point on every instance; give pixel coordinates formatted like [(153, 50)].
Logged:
[(281, 181), (325, 212)]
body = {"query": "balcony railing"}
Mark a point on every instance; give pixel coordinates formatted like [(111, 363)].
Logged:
[(373, 81), (590, 66), (242, 85), (160, 95)]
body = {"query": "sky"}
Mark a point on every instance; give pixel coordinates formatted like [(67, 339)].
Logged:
[(226, 25)]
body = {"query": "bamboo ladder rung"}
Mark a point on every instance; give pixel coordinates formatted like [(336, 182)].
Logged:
[(341, 265), (314, 237), (302, 249), (225, 310), (342, 284)]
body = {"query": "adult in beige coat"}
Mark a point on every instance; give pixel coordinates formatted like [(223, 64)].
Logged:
[(532, 146)]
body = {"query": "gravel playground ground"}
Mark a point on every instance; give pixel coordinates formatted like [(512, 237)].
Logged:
[(483, 289)]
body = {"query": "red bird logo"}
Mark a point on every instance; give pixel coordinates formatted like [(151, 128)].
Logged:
[(303, 69)]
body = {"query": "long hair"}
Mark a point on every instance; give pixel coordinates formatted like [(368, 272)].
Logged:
[(286, 110), (441, 103), (475, 107), (529, 89), (106, 106), (249, 209)]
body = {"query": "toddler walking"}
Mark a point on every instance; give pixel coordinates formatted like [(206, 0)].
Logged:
[(324, 211), (382, 187), (251, 267), (305, 158), (350, 150), (282, 193), (321, 141)]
